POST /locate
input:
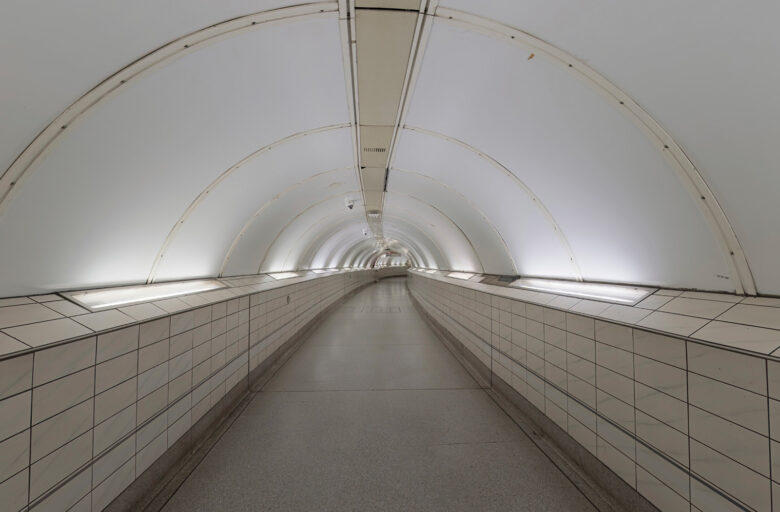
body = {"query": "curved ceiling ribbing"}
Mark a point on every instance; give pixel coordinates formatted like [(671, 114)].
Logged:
[(229, 147)]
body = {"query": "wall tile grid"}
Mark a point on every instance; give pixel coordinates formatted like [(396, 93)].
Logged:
[(689, 425), (81, 420)]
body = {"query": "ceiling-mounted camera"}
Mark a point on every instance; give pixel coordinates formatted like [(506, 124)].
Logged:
[(350, 203)]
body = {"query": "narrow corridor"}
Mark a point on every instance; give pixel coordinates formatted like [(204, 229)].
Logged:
[(374, 413)]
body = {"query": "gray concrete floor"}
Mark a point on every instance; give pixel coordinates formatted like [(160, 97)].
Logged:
[(373, 413)]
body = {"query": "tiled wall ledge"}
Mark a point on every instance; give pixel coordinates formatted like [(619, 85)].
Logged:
[(81, 419), (33, 322), (691, 425)]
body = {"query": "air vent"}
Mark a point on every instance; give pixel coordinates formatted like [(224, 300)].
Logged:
[(373, 213), (374, 150)]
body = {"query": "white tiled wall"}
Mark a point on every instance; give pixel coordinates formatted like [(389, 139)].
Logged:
[(82, 420), (690, 426)]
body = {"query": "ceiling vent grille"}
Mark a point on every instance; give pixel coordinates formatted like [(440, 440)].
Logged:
[(374, 150)]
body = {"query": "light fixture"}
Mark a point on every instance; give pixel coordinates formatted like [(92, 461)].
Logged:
[(96, 300), (461, 275), (618, 294), (319, 270), (283, 275)]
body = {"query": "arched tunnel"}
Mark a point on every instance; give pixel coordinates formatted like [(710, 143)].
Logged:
[(389, 255)]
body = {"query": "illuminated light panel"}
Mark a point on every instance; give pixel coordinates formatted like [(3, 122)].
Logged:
[(618, 294), (461, 275), (96, 300), (320, 271), (283, 275)]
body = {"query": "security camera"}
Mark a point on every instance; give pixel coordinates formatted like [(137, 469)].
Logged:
[(350, 203)]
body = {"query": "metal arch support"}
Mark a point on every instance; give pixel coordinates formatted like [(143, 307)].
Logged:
[(686, 171), (34, 153), (455, 224), (221, 178), (471, 205), (295, 218), (531, 195), (265, 205)]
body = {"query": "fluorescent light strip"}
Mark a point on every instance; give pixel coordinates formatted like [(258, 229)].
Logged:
[(461, 275), (125, 295), (627, 295), (319, 270), (283, 275)]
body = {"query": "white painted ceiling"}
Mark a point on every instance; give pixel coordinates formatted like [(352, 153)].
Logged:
[(151, 141)]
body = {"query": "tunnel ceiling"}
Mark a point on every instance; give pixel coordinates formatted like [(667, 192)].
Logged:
[(632, 142)]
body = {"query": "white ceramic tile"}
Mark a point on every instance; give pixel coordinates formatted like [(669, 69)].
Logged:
[(653, 302), (617, 462), (61, 394), (745, 337), (669, 293), (733, 368), (615, 410), (666, 439), (154, 331), (739, 481), (180, 364), (178, 429), (180, 385), (590, 307), (583, 435), (115, 399), (15, 414), (153, 355), (670, 410), (662, 469), (50, 331), (774, 422), (113, 460), (171, 305), (583, 415), (116, 343), (114, 371), (760, 316), (663, 497), (181, 343), (112, 486), (49, 435), (14, 454), (581, 368), (762, 301), (617, 360), (738, 443), (616, 335), (722, 297), (661, 348), (581, 325), (581, 347), (8, 345), (663, 377), (55, 362), (104, 319), (152, 379), (627, 314), (66, 308), (734, 404), (54, 467), (695, 307), (672, 323), (13, 492), (46, 298), (615, 384), (151, 452), (15, 301), (142, 312), (73, 493), (581, 390), (25, 314), (704, 499), (111, 430)]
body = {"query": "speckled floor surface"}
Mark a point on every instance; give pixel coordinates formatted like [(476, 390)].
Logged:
[(373, 413)]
